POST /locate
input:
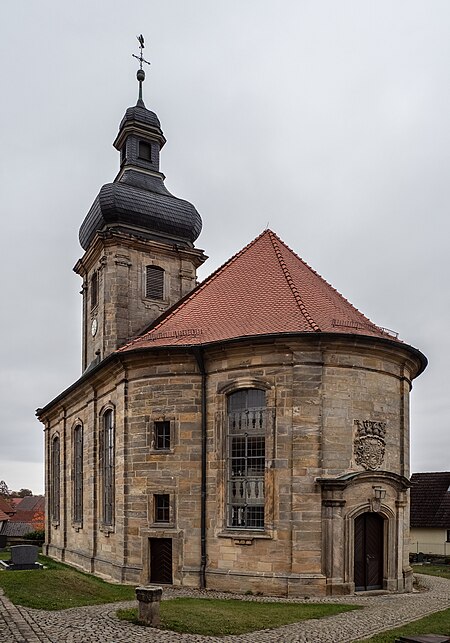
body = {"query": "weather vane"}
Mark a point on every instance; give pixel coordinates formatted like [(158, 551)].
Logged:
[(140, 75)]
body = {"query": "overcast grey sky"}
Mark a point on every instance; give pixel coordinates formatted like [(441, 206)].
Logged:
[(327, 120)]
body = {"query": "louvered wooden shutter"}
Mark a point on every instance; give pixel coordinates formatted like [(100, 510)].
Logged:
[(154, 282)]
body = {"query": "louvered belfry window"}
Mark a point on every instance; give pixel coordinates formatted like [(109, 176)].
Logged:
[(246, 452), (154, 282)]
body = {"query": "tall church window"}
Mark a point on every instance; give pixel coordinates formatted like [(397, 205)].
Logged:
[(154, 282), (246, 455), (78, 474), (94, 289), (55, 480), (107, 467)]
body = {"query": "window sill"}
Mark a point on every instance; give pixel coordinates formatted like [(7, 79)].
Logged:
[(107, 529), (245, 536), (77, 526), (163, 525)]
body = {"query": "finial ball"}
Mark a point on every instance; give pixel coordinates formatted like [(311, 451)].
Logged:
[(140, 75)]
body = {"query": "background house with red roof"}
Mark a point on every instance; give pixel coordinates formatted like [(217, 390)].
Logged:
[(27, 515), (430, 513), (250, 433)]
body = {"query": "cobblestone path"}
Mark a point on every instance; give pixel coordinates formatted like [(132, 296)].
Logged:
[(99, 624)]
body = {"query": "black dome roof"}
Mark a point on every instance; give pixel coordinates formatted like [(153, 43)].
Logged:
[(140, 211)]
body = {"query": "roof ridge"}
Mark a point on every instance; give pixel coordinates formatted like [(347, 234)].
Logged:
[(290, 281), (378, 328), (195, 292)]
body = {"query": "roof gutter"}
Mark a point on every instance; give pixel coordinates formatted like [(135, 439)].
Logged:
[(198, 353)]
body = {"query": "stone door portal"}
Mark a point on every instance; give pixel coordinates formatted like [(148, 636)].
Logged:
[(161, 560), (369, 547)]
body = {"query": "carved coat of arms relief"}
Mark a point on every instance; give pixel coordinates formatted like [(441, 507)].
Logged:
[(370, 444)]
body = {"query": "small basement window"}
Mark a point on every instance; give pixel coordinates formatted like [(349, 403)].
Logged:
[(154, 282), (145, 151)]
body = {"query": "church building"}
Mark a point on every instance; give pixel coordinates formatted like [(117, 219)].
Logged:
[(250, 433)]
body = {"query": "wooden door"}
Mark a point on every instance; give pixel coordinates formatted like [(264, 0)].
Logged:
[(161, 560), (369, 548)]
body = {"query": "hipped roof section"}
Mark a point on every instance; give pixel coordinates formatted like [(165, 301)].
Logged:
[(264, 289)]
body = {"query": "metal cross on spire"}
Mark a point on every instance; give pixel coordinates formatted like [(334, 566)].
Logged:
[(140, 75)]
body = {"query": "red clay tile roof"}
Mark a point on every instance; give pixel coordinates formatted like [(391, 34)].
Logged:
[(6, 507), (3, 516), (430, 500), (264, 289)]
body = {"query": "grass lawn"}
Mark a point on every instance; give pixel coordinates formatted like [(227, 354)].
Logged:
[(214, 617), (59, 587), (433, 570)]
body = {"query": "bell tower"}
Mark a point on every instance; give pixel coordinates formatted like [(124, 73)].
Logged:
[(138, 240)]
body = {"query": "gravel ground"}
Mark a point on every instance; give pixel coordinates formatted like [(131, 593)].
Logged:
[(99, 623)]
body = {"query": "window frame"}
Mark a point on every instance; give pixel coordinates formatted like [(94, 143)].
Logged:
[(77, 472), (107, 467), (161, 509), (145, 145), (246, 460), (55, 491), (159, 289), (165, 426), (94, 283)]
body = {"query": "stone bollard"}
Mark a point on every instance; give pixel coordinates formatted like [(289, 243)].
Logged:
[(149, 599)]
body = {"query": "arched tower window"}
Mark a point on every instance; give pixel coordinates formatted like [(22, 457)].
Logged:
[(107, 467), (94, 289), (55, 480), (78, 473), (246, 459), (154, 282)]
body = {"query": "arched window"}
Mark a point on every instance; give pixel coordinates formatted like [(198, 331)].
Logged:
[(55, 480), (246, 455), (154, 282), (78, 474), (94, 289), (107, 467)]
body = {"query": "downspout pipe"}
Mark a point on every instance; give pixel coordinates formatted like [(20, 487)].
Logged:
[(198, 352)]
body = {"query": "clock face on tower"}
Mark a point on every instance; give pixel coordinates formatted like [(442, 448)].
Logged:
[(94, 327)]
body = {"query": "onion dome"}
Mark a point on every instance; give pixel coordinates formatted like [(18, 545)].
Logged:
[(137, 201)]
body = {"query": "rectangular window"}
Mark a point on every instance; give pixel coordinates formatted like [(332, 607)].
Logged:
[(108, 467), (448, 535), (78, 474), (162, 507), (154, 282), (145, 151), (161, 436)]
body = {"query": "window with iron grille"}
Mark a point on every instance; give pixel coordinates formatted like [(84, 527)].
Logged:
[(94, 289), (78, 474), (56, 478), (162, 507), (145, 151), (246, 455), (107, 467), (154, 282), (161, 435)]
